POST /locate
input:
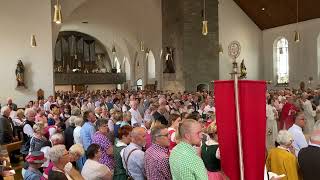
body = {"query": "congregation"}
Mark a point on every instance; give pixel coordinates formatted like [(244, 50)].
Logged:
[(115, 134)]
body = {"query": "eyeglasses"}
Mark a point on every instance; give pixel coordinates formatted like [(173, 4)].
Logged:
[(165, 135)]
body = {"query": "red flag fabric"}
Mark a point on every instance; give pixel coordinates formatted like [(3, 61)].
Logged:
[(252, 102)]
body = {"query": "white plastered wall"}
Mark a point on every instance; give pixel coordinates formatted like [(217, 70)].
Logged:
[(19, 20), (234, 24)]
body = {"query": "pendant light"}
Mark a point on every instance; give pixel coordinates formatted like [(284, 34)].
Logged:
[(204, 22), (113, 49), (57, 18), (33, 42), (296, 33)]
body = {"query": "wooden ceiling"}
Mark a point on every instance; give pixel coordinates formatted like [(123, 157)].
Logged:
[(273, 13)]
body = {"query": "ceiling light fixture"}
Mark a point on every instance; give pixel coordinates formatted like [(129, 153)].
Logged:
[(57, 18), (263, 9), (205, 21), (33, 42), (296, 32)]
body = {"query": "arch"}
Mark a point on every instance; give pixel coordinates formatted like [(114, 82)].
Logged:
[(202, 87), (281, 56), (126, 68), (151, 65), (139, 84)]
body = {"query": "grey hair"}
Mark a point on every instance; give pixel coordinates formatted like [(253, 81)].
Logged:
[(56, 152), (57, 137), (284, 137), (28, 111), (78, 121), (76, 149), (4, 109), (156, 131), (75, 111)]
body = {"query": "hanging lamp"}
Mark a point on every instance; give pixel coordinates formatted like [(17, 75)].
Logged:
[(296, 32), (57, 18), (33, 42), (205, 21)]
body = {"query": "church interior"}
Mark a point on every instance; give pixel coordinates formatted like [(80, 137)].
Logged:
[(171, 48)]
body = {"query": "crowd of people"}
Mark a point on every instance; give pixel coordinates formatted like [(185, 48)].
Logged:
[(114, 134)]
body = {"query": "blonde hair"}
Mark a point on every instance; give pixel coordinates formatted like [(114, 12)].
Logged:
[(20, 113), (154, 124), (76, 149), (38, 127)]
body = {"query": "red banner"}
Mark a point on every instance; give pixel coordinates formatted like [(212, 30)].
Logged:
[(252, 102)]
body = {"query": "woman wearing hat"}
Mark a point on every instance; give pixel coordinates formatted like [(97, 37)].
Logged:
[(35, 160)]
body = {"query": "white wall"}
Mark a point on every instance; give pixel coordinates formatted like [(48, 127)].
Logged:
[(234, 24), (19, 20), (303, 57)]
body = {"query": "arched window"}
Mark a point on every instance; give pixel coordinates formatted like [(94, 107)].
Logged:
[(117, 64), (139, 84), (282, 61), (151, 65)]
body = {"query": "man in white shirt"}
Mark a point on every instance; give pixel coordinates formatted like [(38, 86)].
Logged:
[(296, 131), (136, 119), (309, 113), (47, 105)]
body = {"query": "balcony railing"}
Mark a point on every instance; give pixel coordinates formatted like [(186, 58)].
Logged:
[(90, 78)]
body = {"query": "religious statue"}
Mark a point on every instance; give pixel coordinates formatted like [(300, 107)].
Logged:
[(243, 70), (40, 94), (20, 74), (169, 61)]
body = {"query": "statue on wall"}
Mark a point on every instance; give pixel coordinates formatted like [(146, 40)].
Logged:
[(243, 70), (169, 60), (20, 74), (40, 94)]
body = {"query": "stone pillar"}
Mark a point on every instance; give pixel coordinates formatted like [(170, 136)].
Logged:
[(196, 57)]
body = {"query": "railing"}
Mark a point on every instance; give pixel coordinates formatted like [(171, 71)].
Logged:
[(91, 78)]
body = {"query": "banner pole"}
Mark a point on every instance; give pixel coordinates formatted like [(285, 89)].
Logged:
[(236, 96)]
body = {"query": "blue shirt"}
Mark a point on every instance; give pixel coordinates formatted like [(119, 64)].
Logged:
[(86, 133), (299, 140), (135, 162)]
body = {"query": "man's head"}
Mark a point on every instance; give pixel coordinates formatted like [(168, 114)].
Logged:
[(138, 136), (5, 111), (315, 137), (9, 101), (190, 132), (89, 116), (300, 120), (134, 104), (160, 135), (98, 110), (30, 114)]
